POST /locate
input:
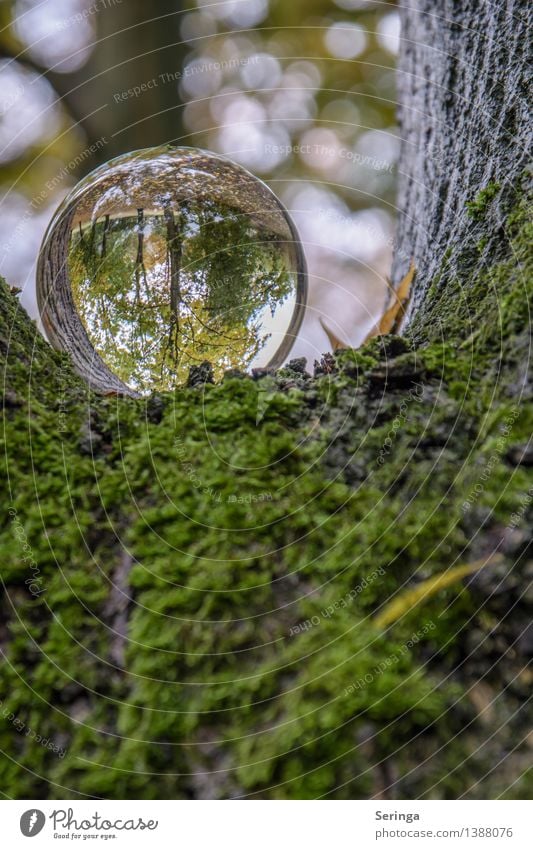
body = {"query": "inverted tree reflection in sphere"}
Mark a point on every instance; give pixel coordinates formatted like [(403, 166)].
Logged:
[(167, 257)]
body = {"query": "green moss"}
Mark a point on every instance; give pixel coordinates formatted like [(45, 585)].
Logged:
[(477, 208), (209, 583), (458, 307)]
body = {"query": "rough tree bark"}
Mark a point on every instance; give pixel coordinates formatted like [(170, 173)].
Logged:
[(465, 124), (197, 599)]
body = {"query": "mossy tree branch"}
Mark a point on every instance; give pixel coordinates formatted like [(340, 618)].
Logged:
[(192, 593)]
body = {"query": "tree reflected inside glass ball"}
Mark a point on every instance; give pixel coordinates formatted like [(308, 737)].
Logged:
[(164, 258)]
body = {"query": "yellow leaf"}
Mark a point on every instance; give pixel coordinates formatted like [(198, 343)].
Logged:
[(410, 598)]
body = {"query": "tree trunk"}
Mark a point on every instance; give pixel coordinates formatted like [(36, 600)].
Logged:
[(331, 599), (127, 92), (174, 259), (140, 271), (104, 235), (465, 126)]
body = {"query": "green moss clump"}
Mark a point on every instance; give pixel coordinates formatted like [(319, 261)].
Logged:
[(203, 620), (478, 207)]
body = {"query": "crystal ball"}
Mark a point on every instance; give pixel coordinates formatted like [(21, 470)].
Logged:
[(164, 258)]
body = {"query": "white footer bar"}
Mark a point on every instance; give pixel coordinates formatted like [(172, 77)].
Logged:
[(267, 824)]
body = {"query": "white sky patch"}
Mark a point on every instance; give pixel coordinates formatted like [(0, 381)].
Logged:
[(28, 110), (18, 256), (295, 108), (201, 77), (261, 71), (388, 33), (236, 13), (56, 29), (383, 147), (345, 40), (248, 137), (197, 25), (276, 325), (320, 149)]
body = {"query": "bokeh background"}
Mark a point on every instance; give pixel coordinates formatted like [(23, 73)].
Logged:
[(301, 93)]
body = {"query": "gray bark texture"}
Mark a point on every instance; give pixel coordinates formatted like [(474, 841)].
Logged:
[(464, 86)]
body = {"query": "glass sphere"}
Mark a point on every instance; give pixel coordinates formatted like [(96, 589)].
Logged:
[(164, 258)]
